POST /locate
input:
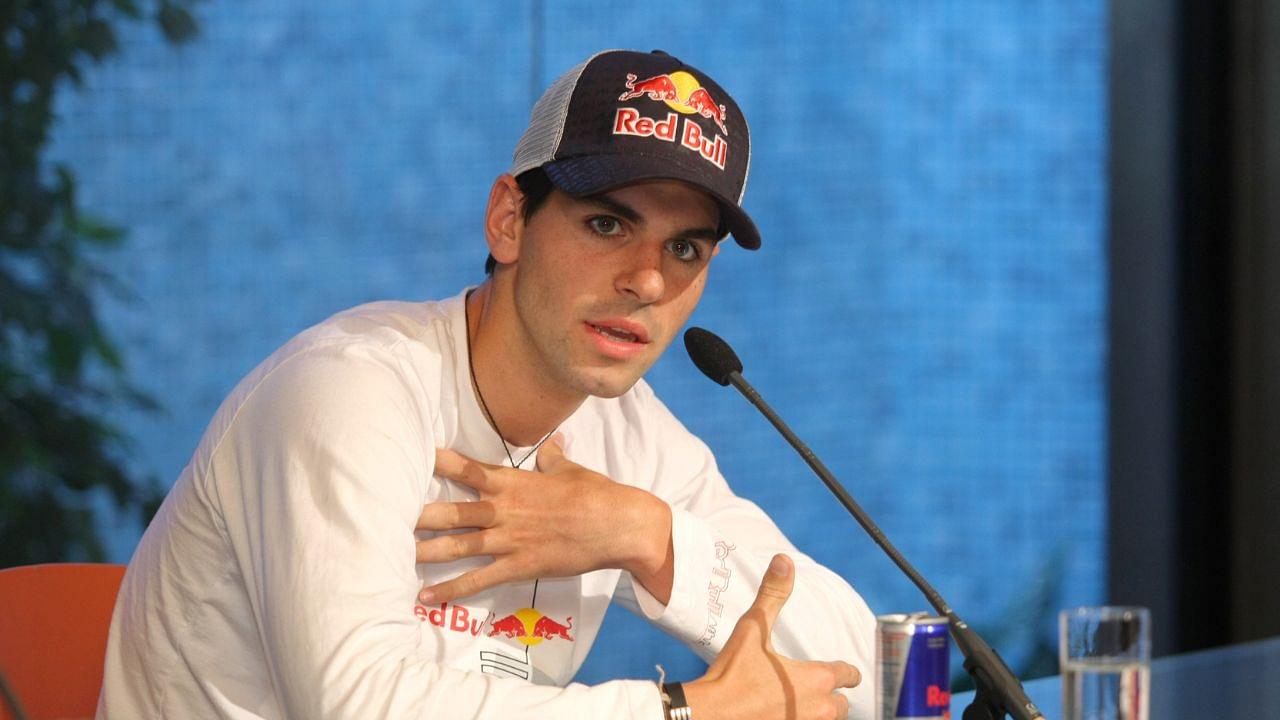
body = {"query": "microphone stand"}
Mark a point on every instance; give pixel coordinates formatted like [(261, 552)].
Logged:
[(998, 691)]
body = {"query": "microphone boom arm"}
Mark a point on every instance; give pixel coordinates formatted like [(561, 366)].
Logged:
[(998, 690)]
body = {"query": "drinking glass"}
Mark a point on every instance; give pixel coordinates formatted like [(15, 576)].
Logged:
[(1105, 657)]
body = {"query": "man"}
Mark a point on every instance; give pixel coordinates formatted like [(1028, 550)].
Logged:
[(509, 428)]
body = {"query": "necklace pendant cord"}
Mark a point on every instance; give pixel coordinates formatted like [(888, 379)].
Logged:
[(475, 384)]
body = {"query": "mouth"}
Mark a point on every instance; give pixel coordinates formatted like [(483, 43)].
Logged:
[(621, 330), (618, 338), (617, 334)]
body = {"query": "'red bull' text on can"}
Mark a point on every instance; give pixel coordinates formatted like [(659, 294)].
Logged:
[(913, 659)]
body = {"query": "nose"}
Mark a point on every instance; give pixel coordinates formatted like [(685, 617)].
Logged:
[(642, 277)]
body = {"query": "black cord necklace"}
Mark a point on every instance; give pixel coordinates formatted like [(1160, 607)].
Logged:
[(471, 366)]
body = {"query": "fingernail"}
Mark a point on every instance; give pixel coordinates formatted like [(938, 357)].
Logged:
[(780, 566), (426, 596), (560, 440)]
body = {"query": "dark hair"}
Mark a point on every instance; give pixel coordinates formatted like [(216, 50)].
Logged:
[(536, 188)]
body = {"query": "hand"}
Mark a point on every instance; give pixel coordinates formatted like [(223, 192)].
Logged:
[(564, 520), (749, 680)]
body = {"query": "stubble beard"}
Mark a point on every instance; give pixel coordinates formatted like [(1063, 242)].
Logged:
[(561, 355)]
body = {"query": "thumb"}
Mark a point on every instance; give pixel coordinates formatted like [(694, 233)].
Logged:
[(551, 454), (775, 587)]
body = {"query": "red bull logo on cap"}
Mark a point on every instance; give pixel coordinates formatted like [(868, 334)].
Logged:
[(681, 92), (530, 627)]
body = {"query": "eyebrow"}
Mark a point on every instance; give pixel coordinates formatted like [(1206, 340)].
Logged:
[(628, 213)]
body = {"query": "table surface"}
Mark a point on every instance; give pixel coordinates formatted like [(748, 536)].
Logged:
[(1232, 682)]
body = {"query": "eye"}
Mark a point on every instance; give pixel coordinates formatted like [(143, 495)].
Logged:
[(605, 225), (684, 250)]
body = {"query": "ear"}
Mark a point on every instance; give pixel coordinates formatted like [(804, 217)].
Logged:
[(504, 220)]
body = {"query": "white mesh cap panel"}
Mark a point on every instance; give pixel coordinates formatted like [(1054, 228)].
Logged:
[(546, 123)]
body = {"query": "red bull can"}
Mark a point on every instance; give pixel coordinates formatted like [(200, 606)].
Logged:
[(913, 667)]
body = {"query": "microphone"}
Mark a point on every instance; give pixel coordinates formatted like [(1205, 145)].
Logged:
[(998, 691), (712, 355)]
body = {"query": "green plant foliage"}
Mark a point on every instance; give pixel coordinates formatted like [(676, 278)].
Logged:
[(60, 373)]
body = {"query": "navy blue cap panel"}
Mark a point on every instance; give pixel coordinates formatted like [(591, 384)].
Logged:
[(652, 104), (590, 174)]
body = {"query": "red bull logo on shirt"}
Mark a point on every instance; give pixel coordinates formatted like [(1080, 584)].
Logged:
[(681, 92), (451, 617), (526, 625), (530, 627)]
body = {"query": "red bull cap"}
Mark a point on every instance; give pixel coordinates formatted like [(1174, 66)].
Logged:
[(625, 116)]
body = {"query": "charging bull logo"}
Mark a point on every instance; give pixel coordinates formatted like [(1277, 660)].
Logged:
[(681, 92), (530, 627)]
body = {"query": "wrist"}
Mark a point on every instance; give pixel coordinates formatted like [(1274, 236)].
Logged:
[(648, 546), (700, 696)]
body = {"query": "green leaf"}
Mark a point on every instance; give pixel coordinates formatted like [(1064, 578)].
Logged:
[(177, 23), (65, 354), (108, 353), (97, 39), (65, 190), (128, 8), (96, 231)]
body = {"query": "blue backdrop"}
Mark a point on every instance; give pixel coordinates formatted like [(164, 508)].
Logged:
[(927, 310)]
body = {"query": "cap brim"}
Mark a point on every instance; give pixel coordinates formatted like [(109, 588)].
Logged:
[(591, 174)]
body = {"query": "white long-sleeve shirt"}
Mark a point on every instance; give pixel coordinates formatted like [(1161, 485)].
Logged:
[(279, 578)]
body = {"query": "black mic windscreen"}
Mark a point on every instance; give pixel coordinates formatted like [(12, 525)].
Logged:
[(712, 355)]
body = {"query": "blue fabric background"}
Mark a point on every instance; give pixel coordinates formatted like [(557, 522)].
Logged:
[(928, 310)]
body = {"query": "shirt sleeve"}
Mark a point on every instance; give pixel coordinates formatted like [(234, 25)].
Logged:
[(723, 544), (320, 479)]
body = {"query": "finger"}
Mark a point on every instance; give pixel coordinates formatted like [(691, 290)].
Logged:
[(551, 454), (845, 675), (453, 515), (842, 705), (456, 466), (467, 584), (447, 548), (775, 588)]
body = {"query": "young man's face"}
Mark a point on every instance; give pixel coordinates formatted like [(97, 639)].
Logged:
[(602, 284)]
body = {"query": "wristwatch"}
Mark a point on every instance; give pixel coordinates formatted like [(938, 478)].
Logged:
[(674, 706)]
